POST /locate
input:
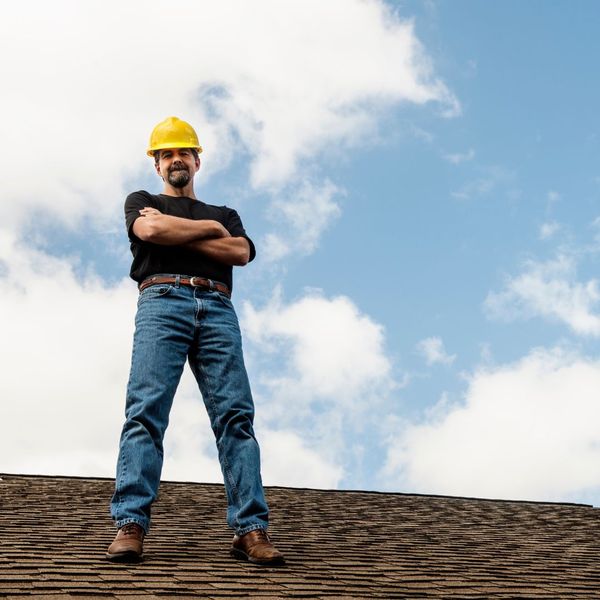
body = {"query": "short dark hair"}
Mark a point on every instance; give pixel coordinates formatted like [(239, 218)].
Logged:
[(157, 154)]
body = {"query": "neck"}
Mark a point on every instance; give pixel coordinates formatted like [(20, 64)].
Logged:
[(187, 191)]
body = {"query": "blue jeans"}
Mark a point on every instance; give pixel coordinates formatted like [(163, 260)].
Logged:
[(174, 324)]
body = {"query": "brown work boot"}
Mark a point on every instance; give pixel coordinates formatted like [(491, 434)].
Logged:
[(256, 547), (128, 545)]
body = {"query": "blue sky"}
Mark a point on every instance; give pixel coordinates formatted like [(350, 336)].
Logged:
[(421, 181)]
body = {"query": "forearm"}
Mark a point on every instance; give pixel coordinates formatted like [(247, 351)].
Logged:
[(167, 230), (233, 251)]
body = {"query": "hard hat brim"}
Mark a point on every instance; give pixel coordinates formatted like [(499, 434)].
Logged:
[(151, 151)]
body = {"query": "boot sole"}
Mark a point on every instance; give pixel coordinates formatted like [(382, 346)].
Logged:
[(125, 557), (241, 555)]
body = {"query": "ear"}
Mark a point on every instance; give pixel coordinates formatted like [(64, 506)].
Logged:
[(157, 167), (197, 161)]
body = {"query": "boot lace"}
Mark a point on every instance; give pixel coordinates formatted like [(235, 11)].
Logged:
[(262, 535), (130, 529)]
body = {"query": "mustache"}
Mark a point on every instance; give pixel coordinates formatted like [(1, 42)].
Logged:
[(177, 167)]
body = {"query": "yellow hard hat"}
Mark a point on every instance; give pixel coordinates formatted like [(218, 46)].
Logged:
[(173, 133)]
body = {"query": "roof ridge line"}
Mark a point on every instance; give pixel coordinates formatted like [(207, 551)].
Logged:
[(319, 490)]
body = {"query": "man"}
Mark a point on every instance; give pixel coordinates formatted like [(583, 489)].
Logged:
[(183, 254)]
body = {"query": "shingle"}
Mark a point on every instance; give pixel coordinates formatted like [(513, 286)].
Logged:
[(339, 544)]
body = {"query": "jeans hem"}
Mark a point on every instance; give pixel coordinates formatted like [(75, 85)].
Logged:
[(249, 528), (144, 525)]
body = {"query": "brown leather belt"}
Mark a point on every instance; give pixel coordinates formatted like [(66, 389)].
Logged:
[(200, 282)]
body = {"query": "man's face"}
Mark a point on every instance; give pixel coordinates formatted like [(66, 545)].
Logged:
[(177, 166)]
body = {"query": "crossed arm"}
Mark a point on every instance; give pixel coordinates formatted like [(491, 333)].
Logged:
[(205, 236)]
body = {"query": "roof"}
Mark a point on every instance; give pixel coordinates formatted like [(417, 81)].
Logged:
[(339, 544)]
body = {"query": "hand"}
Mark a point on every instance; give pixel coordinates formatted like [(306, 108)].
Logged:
[(221, 231), (148, 210)]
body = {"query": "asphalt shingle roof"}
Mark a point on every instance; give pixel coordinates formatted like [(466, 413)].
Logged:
[(339, 544)]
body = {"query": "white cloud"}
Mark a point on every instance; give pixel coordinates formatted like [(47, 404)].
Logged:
[(524, 431), (549, 289), (547, 230), (320, 369), (282, 83), (275, 246), (65, 345), (490, 180), (595, 226), (286, 460), (432, 349), (303, 215), (458, 158), (421, 134), (334, 351)]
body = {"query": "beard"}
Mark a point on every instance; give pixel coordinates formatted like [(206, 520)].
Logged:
[(179, 177)]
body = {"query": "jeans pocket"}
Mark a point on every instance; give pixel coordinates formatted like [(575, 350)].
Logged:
[(154, 291)]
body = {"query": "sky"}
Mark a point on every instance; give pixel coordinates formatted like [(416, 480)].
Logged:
[(422, 183)]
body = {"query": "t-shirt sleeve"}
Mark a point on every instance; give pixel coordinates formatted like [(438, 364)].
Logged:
[(236, 229), (133, 204)]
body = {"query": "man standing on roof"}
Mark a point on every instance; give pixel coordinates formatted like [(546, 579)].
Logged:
[(183, 255)]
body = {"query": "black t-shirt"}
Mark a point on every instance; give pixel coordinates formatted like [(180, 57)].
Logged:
[(151, 259)]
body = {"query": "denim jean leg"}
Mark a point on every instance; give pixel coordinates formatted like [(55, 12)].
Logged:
[(163, 334), (217, 362)]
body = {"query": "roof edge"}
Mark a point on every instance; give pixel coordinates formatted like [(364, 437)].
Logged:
[(323, 490)]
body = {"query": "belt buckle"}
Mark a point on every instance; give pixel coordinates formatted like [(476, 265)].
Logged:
[(211, 283)]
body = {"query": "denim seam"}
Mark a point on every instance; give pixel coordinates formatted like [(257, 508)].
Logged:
[(122, 460), (121, 477), (144, 525), (226, 467), (250, 528)]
